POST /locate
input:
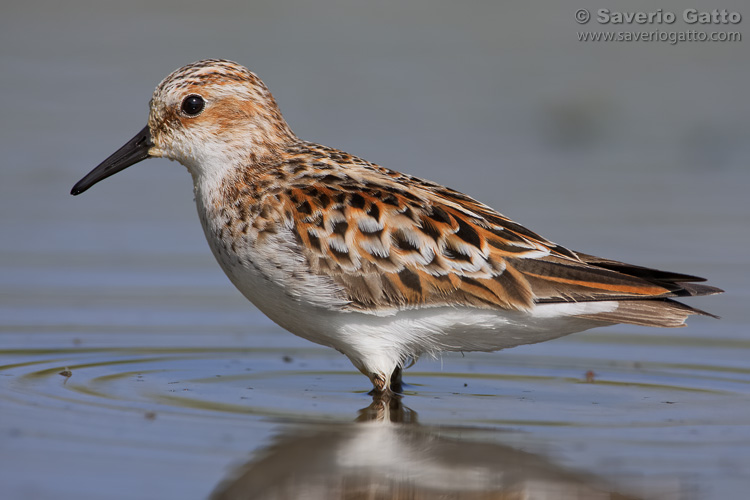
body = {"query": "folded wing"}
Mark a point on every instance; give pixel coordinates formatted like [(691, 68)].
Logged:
[(392, 248)]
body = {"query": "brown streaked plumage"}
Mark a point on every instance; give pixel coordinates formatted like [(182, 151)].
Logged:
[(378, 264), (392, 240)]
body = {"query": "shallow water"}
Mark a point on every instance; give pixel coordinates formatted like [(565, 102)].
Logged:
[(131, 368), (177, 420)]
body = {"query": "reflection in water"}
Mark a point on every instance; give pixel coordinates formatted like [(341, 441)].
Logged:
[(388, 455)]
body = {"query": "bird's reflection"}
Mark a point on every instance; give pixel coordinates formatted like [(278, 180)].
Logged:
[(386, 454)]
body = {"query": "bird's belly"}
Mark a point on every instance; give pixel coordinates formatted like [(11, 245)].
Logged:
[(435, 329), (371, 339)]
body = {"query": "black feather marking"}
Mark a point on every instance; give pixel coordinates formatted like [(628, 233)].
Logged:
[(476, 283), (454, 254), (374, 212), (357, 201), (324, 200), (314, 242), (408, 212), (480, 285), (304, 208), (564, 251), (410, 280), (375, 234), (513, 287), (409, 196), (330, 179), (507, 235), (340, 228), (401, 242), (518, 228), (467, 233), (428, 228), (439, 215), (339, 255), (389, 199), (451, 193)]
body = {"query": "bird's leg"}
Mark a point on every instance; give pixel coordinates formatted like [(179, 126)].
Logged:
[(387, 384), (396, 379)]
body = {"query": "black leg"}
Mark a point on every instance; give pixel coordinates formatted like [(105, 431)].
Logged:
[(396, 380)]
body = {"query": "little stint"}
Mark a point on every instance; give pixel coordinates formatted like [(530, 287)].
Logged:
[(380, 265)]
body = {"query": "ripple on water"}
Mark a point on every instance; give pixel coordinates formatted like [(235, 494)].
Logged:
[(517, 388)]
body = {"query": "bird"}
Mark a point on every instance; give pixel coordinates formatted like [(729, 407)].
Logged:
[(380, 265)]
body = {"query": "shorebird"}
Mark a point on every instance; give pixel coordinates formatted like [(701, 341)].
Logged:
[(380, 265)]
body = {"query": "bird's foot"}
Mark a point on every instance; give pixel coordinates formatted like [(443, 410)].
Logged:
[(386, 384)]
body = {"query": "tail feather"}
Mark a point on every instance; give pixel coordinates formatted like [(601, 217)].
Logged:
[(665, 313), (657, 310), (693, 290), (646, 273)]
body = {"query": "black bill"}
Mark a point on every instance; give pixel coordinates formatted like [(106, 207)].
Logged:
[(135, 150)]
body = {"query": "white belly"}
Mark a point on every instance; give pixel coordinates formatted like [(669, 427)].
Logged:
[(377, 343)]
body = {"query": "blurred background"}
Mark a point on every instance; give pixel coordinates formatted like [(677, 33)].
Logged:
[(635, 151)]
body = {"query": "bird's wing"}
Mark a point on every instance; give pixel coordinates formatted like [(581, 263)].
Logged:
[(393, 241)]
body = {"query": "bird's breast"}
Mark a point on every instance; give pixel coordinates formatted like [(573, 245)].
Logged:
[(258, 251)]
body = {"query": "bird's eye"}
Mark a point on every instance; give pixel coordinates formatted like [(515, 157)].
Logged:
[(192, 105)]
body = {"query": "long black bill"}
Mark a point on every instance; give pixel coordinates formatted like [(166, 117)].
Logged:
[(135, 150)]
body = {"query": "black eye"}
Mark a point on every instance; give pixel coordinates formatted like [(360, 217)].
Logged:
[(193, 105)]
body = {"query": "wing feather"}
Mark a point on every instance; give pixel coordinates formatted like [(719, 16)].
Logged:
[(389, 240)]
